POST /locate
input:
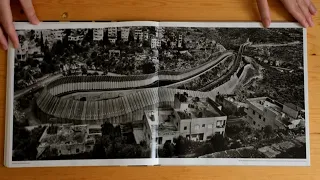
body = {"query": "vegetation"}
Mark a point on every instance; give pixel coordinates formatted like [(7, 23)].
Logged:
[(113, 145), (25, 142)]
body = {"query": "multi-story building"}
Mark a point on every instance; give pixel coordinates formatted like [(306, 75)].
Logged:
[(67, 139), (112, 40), (180, 41), (58, 34), (125, 31), (114, 53), (160, 33), (264, 111), (138, 34), (112, 32), (154, 43), (98, 34), (146, 35), (22, 53), (194, 118)]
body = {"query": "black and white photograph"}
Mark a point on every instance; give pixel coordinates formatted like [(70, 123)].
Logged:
[(167, 92)]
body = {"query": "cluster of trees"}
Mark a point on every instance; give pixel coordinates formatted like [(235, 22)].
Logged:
[(182, 146), (25, 142), (114, 145)]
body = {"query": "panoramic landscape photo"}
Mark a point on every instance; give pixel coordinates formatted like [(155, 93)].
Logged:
[(184, 92)]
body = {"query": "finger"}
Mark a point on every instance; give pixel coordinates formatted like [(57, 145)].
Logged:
[(29, 11), (6, 21), (298, 15), (3, 40), (312, 7), (264, 12), (304, 7)]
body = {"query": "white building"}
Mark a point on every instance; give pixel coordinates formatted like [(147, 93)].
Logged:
[(112, 40), (97, 34), (191, 117), (180, 41), (138, 34), (22, 52), (125, 31), (112, 32), (264, 111), (154, 43), (146, 35), (114, 53)]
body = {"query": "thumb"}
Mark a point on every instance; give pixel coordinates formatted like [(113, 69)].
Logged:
[(264, 12)]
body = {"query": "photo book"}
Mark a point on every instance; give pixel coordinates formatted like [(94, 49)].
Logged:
[(157, 93)]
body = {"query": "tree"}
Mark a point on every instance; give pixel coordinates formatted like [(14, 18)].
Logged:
[(181, 145), (148, 68), (218, 142), (207, 148), (268, 130), (168, 149), (107, 129)]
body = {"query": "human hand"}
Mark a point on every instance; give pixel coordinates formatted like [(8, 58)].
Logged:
[(6, 22), (301, 10)]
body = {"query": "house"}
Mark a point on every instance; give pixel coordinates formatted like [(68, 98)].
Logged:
[(114, 53), (98, 34), (264, 111), (194, 118), (22, 52), (180, 41), (112, 40), (146, 35), (138, 34), (230, 106), (112, 32), (66, 139), (154, 42), (125, 31)]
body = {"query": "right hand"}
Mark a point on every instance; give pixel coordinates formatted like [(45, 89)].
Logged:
[(6, 22)]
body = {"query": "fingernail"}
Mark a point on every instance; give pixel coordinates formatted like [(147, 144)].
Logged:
[(311, 22), (5, 47), (313, 10), (266, 22)]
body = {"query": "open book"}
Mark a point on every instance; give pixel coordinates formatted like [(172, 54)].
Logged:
[(157, 93)]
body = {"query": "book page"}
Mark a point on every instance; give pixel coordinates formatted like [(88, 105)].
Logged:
[(233, 94), (79, 94)]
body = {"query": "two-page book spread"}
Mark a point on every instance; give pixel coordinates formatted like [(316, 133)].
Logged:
[(157, 93)]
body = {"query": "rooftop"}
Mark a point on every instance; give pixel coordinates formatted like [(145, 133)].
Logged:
[(197, 107), (162, 119), (65, 134), (264, 102)]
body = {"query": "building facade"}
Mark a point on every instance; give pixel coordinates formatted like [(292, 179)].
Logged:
[(194, 118), (125, 31), (98, 34), (263, 111)]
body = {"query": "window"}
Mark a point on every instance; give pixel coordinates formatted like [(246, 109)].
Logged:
[(160, 140), (203, 125), (201, 136), (254, 123), (197, 127), (259, 116), (220, 124), (168, 141), (264, 119), (77, 150), (210, 126), (253, 112), (177, 124), (217, 133), (185, 128)]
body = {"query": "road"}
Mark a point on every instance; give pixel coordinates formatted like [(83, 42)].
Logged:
[(18, 94)]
